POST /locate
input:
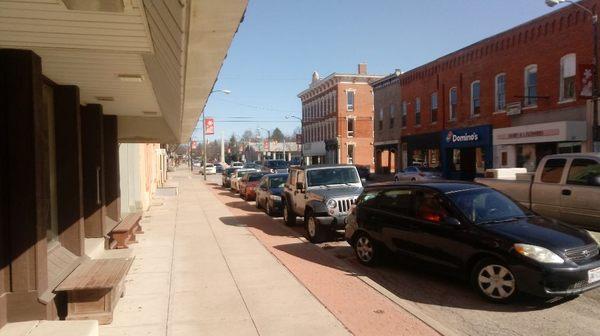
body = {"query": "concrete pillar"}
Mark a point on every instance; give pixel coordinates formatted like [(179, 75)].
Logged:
[(92, 148), (25, 188), (112, 191), (69, 176)]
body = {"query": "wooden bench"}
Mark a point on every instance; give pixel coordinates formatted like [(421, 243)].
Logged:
[(124, 233), (94, 289)]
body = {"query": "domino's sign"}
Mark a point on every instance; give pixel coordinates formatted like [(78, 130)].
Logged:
[(451, 137), (467, 137)]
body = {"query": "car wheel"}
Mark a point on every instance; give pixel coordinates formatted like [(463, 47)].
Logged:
[(258, 206), (315, 231), (366, 249), (413, 179), (289, 217), (268, 209), (492, 279), (396, 179)]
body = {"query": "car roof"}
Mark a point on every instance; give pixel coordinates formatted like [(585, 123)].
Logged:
[(318, 166), (574, 155), (277, 175), (441, 186)]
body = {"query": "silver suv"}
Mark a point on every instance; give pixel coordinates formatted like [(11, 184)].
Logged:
[(323, 195)]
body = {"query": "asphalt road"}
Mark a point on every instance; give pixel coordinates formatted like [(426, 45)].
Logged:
[(449, 300)]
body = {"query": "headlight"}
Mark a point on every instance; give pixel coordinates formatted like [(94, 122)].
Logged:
[(538, 253), (331, 204), (596, 238), (275, 197)]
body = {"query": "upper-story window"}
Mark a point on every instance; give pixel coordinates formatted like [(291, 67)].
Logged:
[(453, 97), (380, 119), (392, 116), (350, 100), (500, 92), (475, 98), (350, 127), (418, 111), (434, 107), (567, 77), (404, 113), (530, 85)]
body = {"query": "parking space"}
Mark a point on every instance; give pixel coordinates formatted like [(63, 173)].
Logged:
[(443, 301)]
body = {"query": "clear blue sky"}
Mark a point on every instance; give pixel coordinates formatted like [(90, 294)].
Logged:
[(281, 42)]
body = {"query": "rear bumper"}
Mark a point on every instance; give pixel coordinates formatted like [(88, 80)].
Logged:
[(555, 281)]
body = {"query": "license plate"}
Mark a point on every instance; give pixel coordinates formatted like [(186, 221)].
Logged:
[(594, 275)]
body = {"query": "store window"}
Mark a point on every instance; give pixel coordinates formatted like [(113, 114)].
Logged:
[(553, 170), (531, 85), (418, 111), (350, 153), (584, 172), (453, 96), (381, 118), (500, 92), (475, 98), (350, 127), (526, 157), (567, 77), (434, 107), (569, 147), (392, 116), (480, 160), (350, 100), (404, 113)]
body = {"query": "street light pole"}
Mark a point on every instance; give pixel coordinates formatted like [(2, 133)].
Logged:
[(204, 144), (300, 119)]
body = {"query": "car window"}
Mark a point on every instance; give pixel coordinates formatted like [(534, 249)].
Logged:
[(293, 177), (329, 176), (411, 170), (428, 206), (254, 177), (484, 205), (584, 172), (300, 178), (277, 164), (264, 181), (398, 201), (367, 198), (553, 170), (278, 181)]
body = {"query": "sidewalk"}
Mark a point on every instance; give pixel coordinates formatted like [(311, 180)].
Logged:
[(195, 275)]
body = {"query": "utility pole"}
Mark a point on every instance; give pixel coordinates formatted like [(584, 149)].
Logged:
[(284, 158), (222, 147)]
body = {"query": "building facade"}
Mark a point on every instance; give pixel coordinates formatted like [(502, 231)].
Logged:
[(337, 118), (505, 101)]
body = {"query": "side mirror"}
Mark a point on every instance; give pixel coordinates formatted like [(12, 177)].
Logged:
[(299, 185), (451, 221)]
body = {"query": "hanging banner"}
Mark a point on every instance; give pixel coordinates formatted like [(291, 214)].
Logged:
[(209, 126), (194, 144), (266, 146), (586, 80)]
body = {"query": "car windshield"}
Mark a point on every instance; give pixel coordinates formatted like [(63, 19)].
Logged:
[(429, 170), (255, 177), (484, 205), (277, 164), (321, 177), (242, 173), (278, 182)]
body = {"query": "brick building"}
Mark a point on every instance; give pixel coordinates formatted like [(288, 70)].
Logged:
[(337, 118), (505, 101)]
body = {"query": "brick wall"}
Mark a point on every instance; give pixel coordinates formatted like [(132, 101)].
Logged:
[(542, 41), (386, 95), (363, 124)]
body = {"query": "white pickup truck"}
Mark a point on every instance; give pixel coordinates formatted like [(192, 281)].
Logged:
[(564, 187)]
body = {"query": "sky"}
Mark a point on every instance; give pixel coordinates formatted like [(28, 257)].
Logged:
[(281, 42)]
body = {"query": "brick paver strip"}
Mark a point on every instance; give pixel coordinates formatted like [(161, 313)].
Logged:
[(359, 307)]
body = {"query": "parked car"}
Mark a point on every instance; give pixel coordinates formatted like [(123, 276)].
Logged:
[(248, 184), (415, 173), (251, 165), (237, 164), (296, 161), (322, 194), (219, 167), (275, 166), (269, 192), (226, 177), (502, 247), (237, 176), (209, 168), (364, 171), (564, 187)]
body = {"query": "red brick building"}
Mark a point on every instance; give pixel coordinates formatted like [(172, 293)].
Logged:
[(507, 100), (337, 118)]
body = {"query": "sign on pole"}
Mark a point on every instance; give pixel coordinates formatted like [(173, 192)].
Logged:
[(266, 145), (194, 144), (299, 139), (209, 126), (586, 72)]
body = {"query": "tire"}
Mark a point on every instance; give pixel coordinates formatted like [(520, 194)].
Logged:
[(268, 209), (413, 179), (367, 251), (396, 179), (315, 232), (494, 281), (289, 217), (258, 206)]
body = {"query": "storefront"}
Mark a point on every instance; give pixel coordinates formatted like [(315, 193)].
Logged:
[(331, 151), (421, 150), (314, 152), (525, 146), (466, 152), (386, 157)]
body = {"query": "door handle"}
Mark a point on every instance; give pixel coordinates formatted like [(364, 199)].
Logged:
[(566, 192)]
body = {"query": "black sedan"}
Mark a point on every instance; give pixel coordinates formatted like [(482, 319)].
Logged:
[(500, 246), (268, 193)]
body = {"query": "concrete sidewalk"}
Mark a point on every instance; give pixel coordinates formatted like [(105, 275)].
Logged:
[(195, 275)]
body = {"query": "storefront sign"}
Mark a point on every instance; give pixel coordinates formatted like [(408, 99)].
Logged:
[(537, 133), (586, 72), (467, 137), (451, 137)]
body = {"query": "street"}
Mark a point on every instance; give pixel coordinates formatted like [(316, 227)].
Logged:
[(445, 303)]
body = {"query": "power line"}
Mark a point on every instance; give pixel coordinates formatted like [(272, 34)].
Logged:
[(258, 107)]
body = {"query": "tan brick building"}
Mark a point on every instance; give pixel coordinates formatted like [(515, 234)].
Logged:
[(337, 118)]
